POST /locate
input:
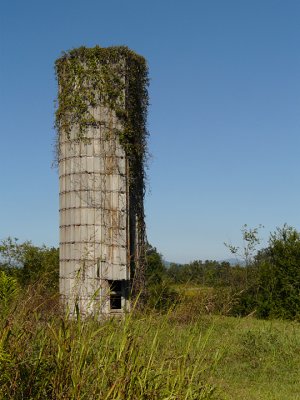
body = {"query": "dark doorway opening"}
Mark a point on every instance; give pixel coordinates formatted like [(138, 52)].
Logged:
[(116, 295)]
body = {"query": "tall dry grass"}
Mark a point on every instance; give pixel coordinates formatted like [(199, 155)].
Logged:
[(46, 355)]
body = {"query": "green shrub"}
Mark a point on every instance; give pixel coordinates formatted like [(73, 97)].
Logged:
[(29, 263), (274, 288)]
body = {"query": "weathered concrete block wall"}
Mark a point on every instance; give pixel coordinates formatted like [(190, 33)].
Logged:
[(94, 206)]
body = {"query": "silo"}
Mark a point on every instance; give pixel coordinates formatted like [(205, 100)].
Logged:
[(101, 124)]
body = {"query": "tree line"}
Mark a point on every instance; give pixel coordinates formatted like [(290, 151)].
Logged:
[(267, 284)]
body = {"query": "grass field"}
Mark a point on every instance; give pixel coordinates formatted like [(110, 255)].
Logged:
[(259, 359), (145, 356)]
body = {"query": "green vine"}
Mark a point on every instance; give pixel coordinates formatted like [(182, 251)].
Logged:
[(115, 77)]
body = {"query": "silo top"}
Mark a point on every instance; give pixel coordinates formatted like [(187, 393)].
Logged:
[(116, 77)]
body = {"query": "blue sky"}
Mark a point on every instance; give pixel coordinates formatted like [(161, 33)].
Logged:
[(224, 117)]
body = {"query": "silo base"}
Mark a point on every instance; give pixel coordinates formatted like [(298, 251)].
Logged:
[(110, 298)]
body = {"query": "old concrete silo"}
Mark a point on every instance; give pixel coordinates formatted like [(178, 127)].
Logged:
[(101, 124)]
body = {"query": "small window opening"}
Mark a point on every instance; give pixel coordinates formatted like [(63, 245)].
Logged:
[(115, 295)]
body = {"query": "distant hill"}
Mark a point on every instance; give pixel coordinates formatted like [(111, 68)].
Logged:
[(231, 261), (234, 261), (168, 263)]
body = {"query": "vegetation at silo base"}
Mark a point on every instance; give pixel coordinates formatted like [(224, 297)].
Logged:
[(45, 355), (199, 337)]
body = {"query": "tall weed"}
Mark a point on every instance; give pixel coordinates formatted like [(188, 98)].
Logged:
[(46, 355)]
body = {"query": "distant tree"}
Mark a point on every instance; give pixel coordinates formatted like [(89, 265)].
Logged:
[(204, 273), (29, 263), (155, 266), (272, 288), (250, 242), (160, 294), (278, 293)]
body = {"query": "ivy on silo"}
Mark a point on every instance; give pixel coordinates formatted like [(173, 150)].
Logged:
[(115, 77)]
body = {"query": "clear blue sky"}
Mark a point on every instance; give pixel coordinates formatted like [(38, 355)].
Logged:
[(224, 116)]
